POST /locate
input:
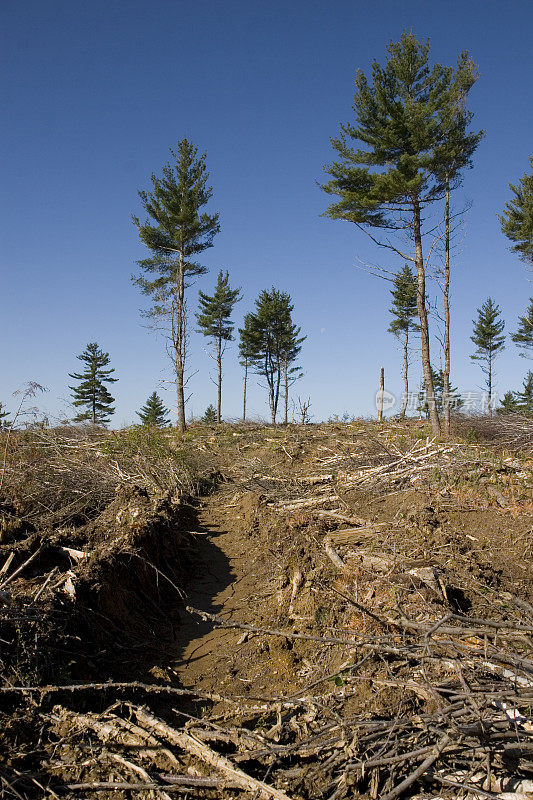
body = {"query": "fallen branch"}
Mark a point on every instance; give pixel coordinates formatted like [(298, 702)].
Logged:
[(209, 756)]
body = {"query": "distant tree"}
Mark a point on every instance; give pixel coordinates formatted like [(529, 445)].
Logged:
[(291, 349), (524, 398), (3, 417), (270, 343), (508, 405), (210, 415), (488, 340), (454, 398), (524, 335), (412, 125), (91, 392), (177, 232), (214, 321), (403, 312), (154, 412), (517, 218)]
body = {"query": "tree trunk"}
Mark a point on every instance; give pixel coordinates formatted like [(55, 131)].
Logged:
[(446, 371), (219, 388), (423, 317), (489, 382), (179, 342), (244, 392), (405, 375), (380, 394), (286, 398)]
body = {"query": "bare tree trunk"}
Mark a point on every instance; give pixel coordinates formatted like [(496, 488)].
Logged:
[(380, 395), (219, 388), (446, 371), (490, 383), (405, 375), (244, 392), (179, 342), (423, 317), (286, 398)]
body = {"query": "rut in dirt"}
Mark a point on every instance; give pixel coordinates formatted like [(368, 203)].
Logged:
[(223, 582)]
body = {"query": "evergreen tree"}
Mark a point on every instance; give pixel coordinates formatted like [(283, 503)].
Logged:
[(270, 343), (3, 417), (456, 154), (91, 392), (175, 233), (154, 412), (403, 311), (517, 218), (210, 416), (524, 399), (214, 321), (488, 340), (291, 349), (524, 335), (508, 404), (455, 400), (408, 118)]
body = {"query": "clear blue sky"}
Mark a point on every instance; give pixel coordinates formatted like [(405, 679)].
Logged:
[(95, 93)]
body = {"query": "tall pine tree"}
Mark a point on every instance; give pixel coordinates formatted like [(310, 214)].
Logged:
[(154, 413), (489, 341), (517, 218), (214, 321), (91, 393), (176, 231), (406, 118), (270, 343), (404, 311), (456, 154)]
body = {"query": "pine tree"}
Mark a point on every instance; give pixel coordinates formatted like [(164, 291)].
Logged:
[(154, 412), (524, 335), (508, 404), (524, 399), (459, 147), (455, 401), (517, 218), (270, 343), (407, 119), (3, 417), (488, 340), (214, 321), (176, 233), (404, 310), (210, 415), (291, 349), (91, 392)]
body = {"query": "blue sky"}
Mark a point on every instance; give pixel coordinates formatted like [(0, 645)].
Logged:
[(95, 94)]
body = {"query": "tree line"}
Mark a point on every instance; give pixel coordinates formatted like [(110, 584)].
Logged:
[(397, 165)]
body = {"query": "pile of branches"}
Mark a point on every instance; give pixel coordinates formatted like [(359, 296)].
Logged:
[(464, 722), (69, 474), (512, 431)]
